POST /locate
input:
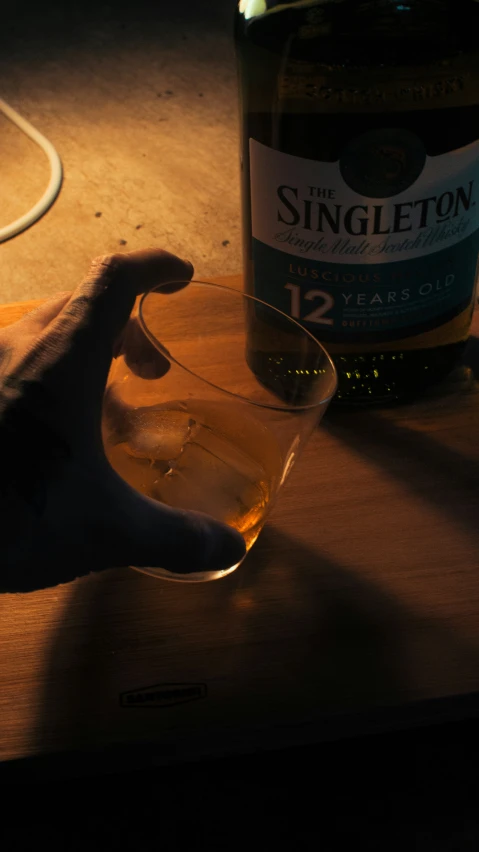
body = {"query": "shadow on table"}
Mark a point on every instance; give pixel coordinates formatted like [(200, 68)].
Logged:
[(440, 464), (293, 639)]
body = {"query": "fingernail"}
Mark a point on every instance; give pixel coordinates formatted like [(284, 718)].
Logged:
[(145, 370)]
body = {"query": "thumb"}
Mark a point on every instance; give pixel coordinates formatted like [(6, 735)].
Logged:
[(149, 534)]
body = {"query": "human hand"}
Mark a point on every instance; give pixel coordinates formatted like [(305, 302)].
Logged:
[(64, 511)]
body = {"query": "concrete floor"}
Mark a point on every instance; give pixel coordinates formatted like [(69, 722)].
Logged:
[(139, 99)]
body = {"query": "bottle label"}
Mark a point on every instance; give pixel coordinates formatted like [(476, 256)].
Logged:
[(379, 245)]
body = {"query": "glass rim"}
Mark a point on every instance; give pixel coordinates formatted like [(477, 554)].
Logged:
[(325, 400)]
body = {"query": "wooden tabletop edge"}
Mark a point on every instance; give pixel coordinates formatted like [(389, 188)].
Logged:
[(13, 311)]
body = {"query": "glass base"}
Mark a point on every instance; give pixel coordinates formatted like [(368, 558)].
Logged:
[(198, 577)]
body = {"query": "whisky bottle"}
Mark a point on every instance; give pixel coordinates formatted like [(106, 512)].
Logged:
[(360, 180)]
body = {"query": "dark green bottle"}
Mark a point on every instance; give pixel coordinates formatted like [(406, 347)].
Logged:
[(360, 180)]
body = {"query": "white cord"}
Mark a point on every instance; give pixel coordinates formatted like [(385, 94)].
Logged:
[(55, 182)]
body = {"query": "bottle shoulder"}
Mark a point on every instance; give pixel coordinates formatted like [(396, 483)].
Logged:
[(365, 34), (363, 56)]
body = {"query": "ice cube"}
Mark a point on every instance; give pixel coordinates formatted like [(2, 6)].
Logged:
[(213, 476), (160, 435)]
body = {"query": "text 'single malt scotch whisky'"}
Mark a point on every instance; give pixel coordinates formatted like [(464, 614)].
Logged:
[(360, 179)]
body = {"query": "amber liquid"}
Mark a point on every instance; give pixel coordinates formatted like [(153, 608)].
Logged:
[(201, 455)]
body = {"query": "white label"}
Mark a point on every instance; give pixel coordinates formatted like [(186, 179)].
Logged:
[(328, 212)]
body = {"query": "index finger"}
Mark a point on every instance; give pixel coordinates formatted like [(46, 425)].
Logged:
[(76, 348), (103, 302)]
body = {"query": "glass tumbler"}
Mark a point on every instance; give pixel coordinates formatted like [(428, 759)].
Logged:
[(209, 403)]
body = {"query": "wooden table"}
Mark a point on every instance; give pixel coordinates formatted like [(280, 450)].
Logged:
[(358, 608)]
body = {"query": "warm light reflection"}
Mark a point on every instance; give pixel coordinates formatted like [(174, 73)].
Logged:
[(251, 8)]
